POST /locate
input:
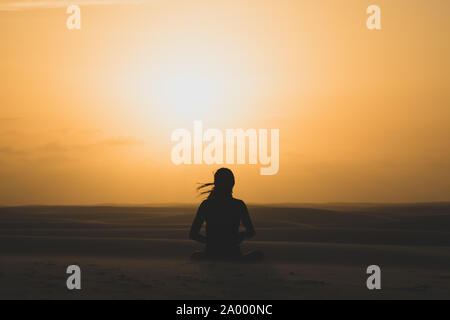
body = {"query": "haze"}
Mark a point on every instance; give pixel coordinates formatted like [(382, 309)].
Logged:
[(86, 116)]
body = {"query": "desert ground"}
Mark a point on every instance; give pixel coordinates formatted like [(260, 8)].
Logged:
[(311, 252)]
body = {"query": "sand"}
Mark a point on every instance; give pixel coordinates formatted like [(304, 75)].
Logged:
[(312, 252)]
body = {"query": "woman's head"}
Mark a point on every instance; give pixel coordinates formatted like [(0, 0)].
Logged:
[(222, 186), (224, 180)]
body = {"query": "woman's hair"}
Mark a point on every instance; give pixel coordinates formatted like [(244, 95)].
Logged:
[(222, 186)]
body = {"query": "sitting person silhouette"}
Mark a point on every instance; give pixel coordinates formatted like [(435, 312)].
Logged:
[(223, 215)]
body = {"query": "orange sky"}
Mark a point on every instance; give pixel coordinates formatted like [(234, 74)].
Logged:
[(86, 116)]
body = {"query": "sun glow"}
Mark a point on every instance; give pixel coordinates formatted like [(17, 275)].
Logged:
[(190, 91), (187, 89), (186, 82)]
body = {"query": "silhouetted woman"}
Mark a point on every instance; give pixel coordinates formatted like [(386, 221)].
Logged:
[(223, 215)]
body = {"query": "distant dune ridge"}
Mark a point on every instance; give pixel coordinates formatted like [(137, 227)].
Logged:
[(319, 251)]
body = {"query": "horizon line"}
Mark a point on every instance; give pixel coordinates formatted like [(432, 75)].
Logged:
[(173, 204)]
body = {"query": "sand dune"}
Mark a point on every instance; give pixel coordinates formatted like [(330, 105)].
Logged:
[(138, 252)]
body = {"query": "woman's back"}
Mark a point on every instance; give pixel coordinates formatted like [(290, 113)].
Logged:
[(223, 217)]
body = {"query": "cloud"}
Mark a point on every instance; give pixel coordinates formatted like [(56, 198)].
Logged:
[(42, 4), (55, 147), (9, 151), (8, 120), (122, 142), (61, 148)]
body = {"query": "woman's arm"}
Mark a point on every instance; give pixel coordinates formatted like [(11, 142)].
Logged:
[(194, 234), (248, 225)]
